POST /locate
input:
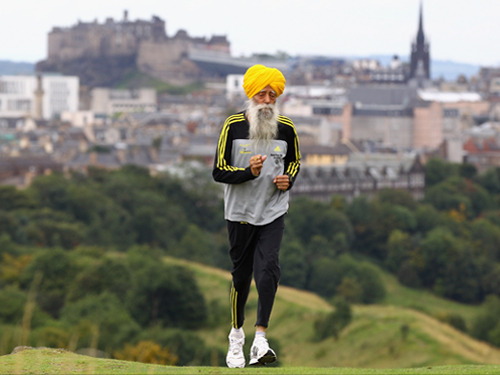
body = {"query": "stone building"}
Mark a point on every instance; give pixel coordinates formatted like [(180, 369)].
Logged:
[(102, 53)]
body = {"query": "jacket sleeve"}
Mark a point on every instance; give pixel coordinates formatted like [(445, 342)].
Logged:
[(292, 158), (223, 171)]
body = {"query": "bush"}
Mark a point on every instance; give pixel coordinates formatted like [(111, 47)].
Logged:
[(100, 321), (51, 336), (146, 352), (190, 349), (453, 319), (332, 324), (49, 274), (164, 295), (487, 320)]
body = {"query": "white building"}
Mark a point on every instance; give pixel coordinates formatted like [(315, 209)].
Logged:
[(105, 101), (234, 87), (40, 97)]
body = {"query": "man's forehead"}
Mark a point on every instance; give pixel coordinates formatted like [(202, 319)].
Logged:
[(268, 89)]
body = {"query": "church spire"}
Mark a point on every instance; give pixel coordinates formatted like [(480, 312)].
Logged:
[(420, 33), (420, 57)]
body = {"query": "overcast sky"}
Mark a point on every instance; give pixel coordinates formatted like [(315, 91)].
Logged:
[(458, 30)]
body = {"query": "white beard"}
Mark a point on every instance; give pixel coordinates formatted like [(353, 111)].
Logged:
[(263, 120)]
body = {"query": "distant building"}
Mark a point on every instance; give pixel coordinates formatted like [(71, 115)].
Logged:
[(102, 53), (41, 97), (105, 101), (362, 174), (482, 146), (20, 171)]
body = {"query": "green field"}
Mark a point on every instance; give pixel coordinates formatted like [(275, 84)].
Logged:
[(399, 336), (401, 333), (57, 361)]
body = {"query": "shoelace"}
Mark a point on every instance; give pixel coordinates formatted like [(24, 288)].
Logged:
[(235, 344)]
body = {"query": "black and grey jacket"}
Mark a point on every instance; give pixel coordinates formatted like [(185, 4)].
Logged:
[(255, 200)]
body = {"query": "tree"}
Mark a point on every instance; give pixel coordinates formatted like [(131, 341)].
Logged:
[(106, 275), (49, 275), (467, 170), (163, 294), (438, 170), (365, 275), (374, 221), (461, 278), (12, 198), (399, 247), (371, 283), (100, 319), (401, 198), (448, 267), (491, 280), (294, 266), (197, 245), (485, 237), (51, 191), (325, 276), (332, 324), (487, 320), (436, 250), (490, 180), (446, 196), (309, 218), (457, 193)]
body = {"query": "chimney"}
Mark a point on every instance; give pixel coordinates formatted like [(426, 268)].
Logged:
[(39, 98)]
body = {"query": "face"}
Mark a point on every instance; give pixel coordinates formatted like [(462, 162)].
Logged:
[(265, 96)]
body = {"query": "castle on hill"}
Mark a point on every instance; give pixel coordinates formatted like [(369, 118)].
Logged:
[(100, 53)]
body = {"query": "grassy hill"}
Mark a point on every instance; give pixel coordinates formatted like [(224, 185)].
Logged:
[(400, 333), (57, 361)]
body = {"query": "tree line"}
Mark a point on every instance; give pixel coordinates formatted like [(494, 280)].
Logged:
[(84, 248)]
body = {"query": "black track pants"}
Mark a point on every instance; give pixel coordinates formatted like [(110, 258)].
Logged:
[(254, 250)]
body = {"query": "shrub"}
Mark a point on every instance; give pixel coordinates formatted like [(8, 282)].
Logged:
[(190, 348), (146, 352), (100, 321), (332, 324), (453, 319)]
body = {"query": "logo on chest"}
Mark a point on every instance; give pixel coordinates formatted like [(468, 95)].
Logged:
[(277, 155), (245, 148)]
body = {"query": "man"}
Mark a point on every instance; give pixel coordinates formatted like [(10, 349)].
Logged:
[(258, 159)]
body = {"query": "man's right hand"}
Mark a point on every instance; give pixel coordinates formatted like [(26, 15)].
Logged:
[(256, 163)]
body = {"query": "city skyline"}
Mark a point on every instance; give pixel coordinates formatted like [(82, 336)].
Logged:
[(458, 30)]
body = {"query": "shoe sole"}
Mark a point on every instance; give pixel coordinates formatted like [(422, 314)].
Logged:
[(269, 357)]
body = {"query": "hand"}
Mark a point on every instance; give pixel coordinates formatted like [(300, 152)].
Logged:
[(282, 182), (256, 163)]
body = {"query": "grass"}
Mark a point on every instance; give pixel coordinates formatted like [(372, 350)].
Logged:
[(401, 332), (399, 336), (57, 361)]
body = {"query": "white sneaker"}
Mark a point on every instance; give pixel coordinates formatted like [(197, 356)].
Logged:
[(235, 357), (261, 353)]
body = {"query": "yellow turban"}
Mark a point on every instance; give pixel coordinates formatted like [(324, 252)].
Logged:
[(259, 76)]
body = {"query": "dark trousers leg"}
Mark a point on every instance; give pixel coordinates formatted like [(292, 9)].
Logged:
[(267, 270), (254, 250), (242, 242)]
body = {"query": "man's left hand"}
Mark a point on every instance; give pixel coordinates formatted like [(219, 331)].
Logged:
[(282, 182)]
